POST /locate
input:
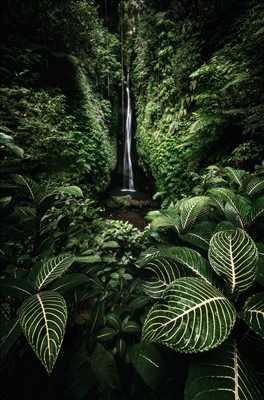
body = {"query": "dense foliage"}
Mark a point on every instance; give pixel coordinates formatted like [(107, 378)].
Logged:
[(91, 306), (59, 71), (198, 89)]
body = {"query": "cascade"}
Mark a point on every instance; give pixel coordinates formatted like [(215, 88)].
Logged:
[(128, 173)]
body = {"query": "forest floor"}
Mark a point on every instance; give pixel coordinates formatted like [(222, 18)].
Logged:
[(130, 207), (134, 216)]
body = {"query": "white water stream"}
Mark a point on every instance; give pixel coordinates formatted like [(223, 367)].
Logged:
[(128, 174)]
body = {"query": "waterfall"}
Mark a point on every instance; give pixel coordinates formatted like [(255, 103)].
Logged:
[(128, 175)]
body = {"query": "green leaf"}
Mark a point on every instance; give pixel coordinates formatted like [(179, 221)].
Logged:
[(255, 186), (192, 316), (194, 263), (163, 271), (222, 374), (114, 321), (110, 245), (233, 255), (28, 184), (88, 259), (258, 209), (235, 176), (17, 288), (253, 313), (191, 209), (200, 235), (5, 201), (151, 215), (167, 219), (8, 141), (130, 327), (234, 207), (106, 334), (43, 320), (74, 191), (148, 362), (104, 366), (52, 269), (239, 212)]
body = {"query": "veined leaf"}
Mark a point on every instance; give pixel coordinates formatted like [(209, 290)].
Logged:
[(52, 269), (239, 212), (200, 235), (28, 184), (223, 374), (235, 176), (253, 313), (164, 271), (235, 207), (193, 316), (194, 263), (233, 255), (43, 320), (191, 210), (168, 218), (255, 186)]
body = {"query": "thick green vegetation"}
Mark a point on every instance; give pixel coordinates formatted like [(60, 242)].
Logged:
[(198, 89), (59, 74), (94, 307)]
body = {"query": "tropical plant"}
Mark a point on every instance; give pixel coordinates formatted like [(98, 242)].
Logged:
[(211, 291), (41, 314)]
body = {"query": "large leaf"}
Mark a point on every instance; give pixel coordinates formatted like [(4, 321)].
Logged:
[(193, 316), (194, 263), (236, 176), (163, 271), (253, 313), (52, 269), (233, 255), (191, 210), (43, 320), (223, 374), (239, 212), (236, 208)]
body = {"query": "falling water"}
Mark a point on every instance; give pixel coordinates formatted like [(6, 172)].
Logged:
[(128, 175)]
